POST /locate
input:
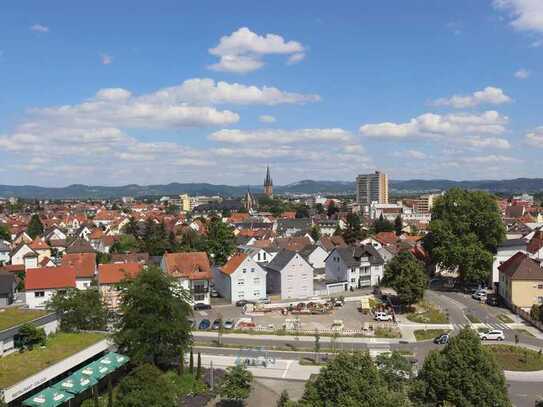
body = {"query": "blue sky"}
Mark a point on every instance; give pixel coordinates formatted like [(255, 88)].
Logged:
[(114, 93)]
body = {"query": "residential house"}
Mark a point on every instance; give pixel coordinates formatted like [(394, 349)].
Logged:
[(315, 255), (504, 252), (41, 248), (41, 284), (241, 278), (521, 281), (79, 246), (142, 258), (8, 288), (5, 250), (109, 278), (289, 275), (258, 254), (17, 256), (355, 266), (293, 227), (84, 265), (535, 245), (31, 260), (192, 272), (55, 233)]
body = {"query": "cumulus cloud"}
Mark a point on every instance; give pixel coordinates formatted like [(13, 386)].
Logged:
[(474, 130), (522, 74), (278, 136), (411, 154), (535, 138), (526, 15), (207, 91), (489, 95), (266, 118), (39, 28), (243, 50)]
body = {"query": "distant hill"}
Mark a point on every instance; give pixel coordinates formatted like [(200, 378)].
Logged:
[(79, 191)]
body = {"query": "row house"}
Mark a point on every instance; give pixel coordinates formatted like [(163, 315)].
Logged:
[(192, 271), (241, 278), (354, 266)]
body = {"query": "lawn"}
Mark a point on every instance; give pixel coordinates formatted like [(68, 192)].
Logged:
[(425, 334), (426, 313), (13, 316), (381, 332), (517, 358), (18, 366), (504, 318)]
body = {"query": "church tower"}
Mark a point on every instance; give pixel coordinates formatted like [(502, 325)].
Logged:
[(268, 183)]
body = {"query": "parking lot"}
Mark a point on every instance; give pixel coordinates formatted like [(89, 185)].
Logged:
[(350, 315)]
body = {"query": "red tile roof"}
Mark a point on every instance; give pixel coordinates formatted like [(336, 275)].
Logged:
[(522, 267), (386, 237), (193, 265), (39, 244), (536, 243), (50, 278), (84, 263), (116, 272), (233, 263)]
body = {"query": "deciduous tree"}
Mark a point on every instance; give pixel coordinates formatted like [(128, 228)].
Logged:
[(407, 276), (220, 241), (35, 227), (145, 386), (236, 384)]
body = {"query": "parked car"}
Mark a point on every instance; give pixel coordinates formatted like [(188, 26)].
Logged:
[(493, 335), (214, 293), (201, 305), (228, 324), (216, 324), (492, 299), (382, 316), (442, 339), (204, 324), (479, 295), (241, 303)]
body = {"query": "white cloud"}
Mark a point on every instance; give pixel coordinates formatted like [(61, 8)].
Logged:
[(266, 118), (295, 58), (207, 91), (473, 130), (106, 59), (535, 138), (527, 15), (279, 136), (411, 154), (39, 28), (489, 95), (113, 94), (242, 51), (522, 74)]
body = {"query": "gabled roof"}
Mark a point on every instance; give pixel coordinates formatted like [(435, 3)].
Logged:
[(84, 263), (192, 265), (39, 244), (352, 255), (114, 273), (79, 246), (130, 258), (50, 278), (280, 260), (295, 244), (536, 243), (233, 263), (521, 267)]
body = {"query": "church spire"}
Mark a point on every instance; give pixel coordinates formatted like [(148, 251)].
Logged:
[(268, 183)]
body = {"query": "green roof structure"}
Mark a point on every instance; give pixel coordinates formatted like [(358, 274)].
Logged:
[(50, 397), (96, 370), (76, 383)]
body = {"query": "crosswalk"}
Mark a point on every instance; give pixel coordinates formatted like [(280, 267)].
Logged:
[(492, 325)]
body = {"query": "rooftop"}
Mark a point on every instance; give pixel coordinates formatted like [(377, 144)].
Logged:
[(18, 366), (13, 316)]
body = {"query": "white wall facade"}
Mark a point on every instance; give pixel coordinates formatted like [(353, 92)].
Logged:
[(248, 282), (297, 279), (38, 298)]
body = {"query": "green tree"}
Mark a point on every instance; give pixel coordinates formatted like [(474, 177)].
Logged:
[(80, 310), (199, 367), (30, 336), (396, 370), (155, 238), (315, 233), (398, 225), (319, 208), (236, 384), (465, 230), (145, 386), (382, 225), (332, 209), (407, 276), (302, 212), (4, 233), (35, 227), (536, 312), (351, 380), (221, 241), (109, 392), (153, 324), (353, 230), (191, 362), (125, 244), (462, 374), (283, 399)]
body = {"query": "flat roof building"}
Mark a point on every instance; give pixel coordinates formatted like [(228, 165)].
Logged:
[(372, 188)]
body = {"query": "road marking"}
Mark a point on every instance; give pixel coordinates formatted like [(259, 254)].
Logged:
[(286, 369)]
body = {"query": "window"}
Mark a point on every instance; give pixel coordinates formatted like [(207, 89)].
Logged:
[(256, 280), (258, 256), (540, 286), (241, 282), (244, 271), (199, 297), (256, 293), (252, 269), (38, 294)]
